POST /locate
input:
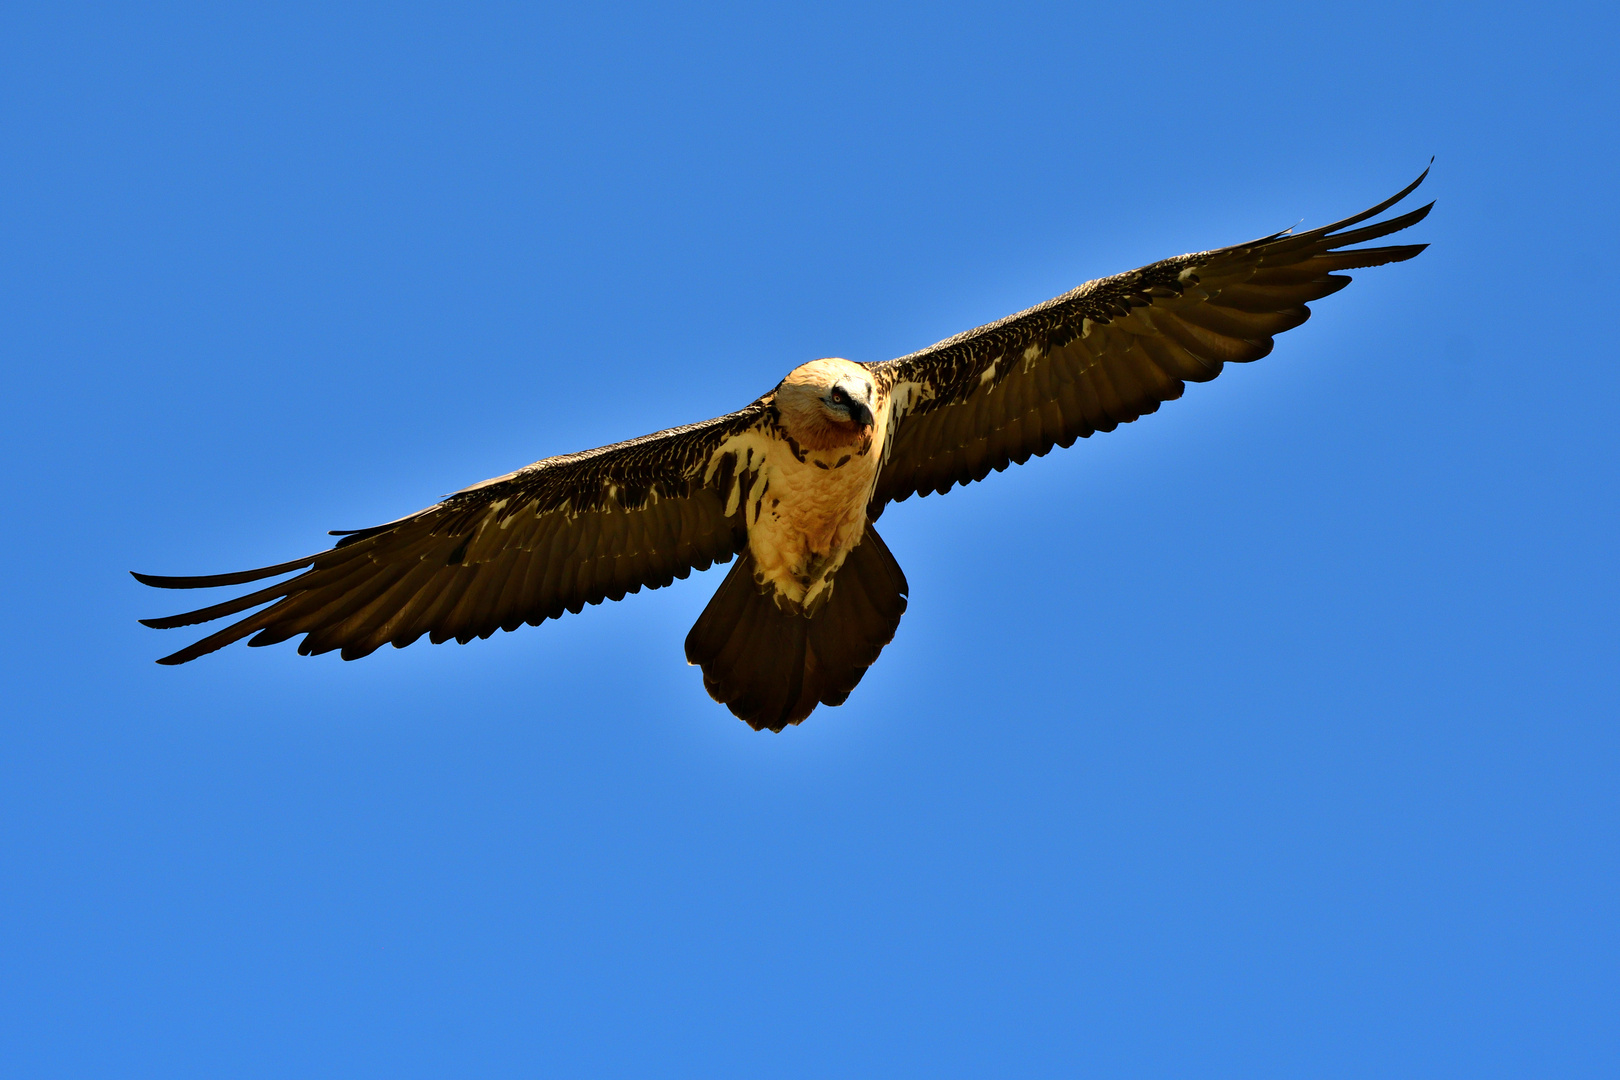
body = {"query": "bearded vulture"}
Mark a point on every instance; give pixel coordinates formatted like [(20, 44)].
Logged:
[(791, 483)]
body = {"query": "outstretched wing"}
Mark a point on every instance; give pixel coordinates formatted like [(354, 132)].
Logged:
[(549, 538), (1109, 351)]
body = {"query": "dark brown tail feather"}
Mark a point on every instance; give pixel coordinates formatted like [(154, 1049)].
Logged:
[(770, 668)]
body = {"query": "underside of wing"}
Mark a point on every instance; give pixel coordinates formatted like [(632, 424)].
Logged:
[(1110, 351), (522, 548)]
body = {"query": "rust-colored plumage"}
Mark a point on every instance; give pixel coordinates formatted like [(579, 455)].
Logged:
[(792, 482)]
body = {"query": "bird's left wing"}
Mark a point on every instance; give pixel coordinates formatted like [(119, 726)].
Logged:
[(551, 537), (1109, 351)]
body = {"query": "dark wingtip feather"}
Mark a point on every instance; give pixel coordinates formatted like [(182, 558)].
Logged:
[(219, 611), (212, 581), (200, 648), (1366, 257)]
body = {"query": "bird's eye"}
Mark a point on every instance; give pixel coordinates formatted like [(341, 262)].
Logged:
[(839, 396)]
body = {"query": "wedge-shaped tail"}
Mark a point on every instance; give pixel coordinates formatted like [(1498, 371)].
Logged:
[(771, 668)]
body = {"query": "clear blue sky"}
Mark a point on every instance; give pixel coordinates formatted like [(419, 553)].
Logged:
[(1272, 736)]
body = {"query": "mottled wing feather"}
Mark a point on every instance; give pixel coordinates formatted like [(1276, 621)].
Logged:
[(552, 537), (1109, 351)]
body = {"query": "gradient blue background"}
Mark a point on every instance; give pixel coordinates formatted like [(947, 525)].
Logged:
[(1274, 735)]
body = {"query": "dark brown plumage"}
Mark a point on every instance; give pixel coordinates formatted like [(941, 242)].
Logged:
[(583, 528), (553, 537), (1113, 349)]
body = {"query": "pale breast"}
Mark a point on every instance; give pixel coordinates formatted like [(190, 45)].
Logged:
[(808, 514)]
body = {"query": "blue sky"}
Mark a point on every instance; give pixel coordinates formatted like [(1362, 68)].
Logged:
[(1273, 735)]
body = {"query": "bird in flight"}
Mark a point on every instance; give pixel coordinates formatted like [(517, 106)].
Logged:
[(790, 484)]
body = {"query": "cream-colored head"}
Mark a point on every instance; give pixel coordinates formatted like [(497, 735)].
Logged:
[(827, 403)]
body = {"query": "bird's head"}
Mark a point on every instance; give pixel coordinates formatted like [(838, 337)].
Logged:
[(827, 403)]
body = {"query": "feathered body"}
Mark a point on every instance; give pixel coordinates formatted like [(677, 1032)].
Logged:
[(795, 624), (809, 509), (791, 483)]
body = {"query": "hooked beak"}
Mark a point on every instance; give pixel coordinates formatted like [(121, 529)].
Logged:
[(860, 414)]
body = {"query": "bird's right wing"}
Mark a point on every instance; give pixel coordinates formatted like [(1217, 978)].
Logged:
[(1109, 351), (551, 537)]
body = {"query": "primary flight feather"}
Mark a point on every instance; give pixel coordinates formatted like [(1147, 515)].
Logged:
[(792, 482)]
